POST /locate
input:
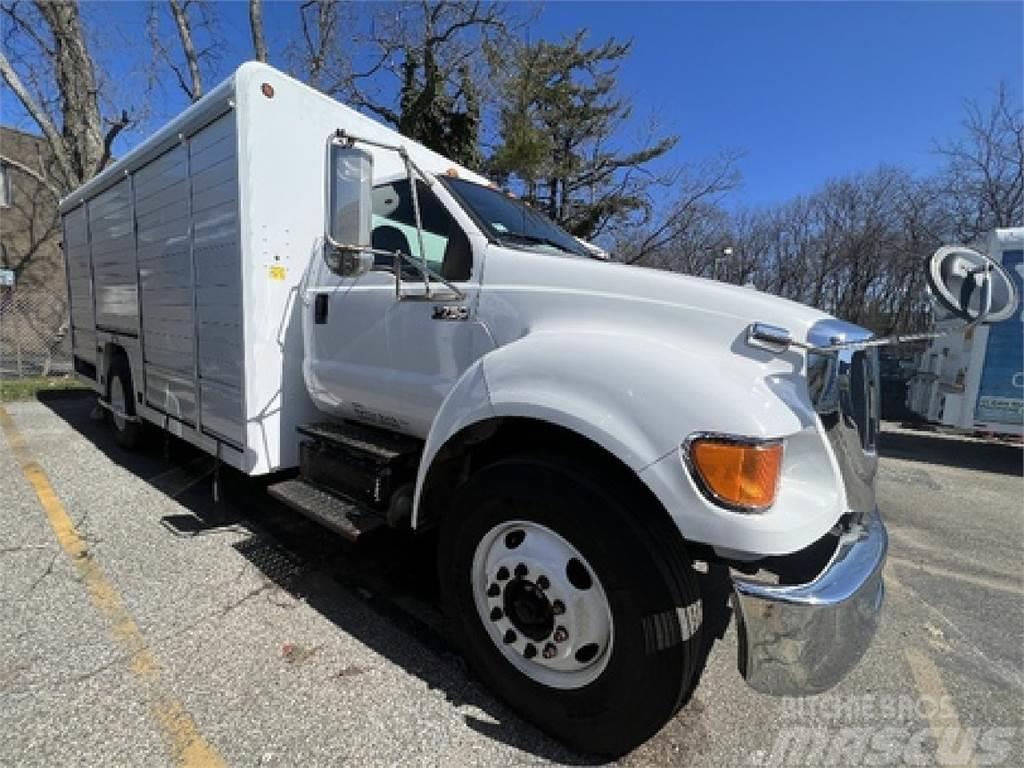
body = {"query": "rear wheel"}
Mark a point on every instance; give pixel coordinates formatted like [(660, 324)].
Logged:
[(583, 614), (122, 403)]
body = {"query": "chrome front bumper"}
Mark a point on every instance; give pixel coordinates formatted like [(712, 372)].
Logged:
[(803, 639)]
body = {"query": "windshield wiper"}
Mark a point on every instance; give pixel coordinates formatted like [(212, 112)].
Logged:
[(540, 240)]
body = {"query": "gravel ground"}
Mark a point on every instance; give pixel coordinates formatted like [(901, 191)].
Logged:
[(253, 634)]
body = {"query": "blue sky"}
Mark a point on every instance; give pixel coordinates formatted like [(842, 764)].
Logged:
[(808, 91)]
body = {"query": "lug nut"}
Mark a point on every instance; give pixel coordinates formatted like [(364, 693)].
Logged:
[(530, 650), (550, 651), (493, 591), (510, 636), (542, 582), (502, 573), (521, 570), (561, 634), (496, 613), (558, 607)]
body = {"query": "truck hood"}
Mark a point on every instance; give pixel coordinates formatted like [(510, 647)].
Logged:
[(529, 292)]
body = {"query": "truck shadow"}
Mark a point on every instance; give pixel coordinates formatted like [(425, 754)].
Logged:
[(383, 591), (951, 451)]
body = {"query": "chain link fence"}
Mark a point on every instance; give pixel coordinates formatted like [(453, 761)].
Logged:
[(35, 333)]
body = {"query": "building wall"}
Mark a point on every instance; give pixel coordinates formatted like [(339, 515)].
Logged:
[(33, 315), (29, 225)]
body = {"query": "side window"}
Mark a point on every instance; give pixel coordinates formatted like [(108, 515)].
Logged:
[(394, 228)]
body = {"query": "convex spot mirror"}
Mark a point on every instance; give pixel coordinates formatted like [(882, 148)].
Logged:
[(970, 286), (349, 210)]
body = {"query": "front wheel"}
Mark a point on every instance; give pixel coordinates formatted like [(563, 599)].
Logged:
[(581, 613)]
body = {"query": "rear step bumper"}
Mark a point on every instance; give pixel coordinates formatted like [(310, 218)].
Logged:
[(340, 515)]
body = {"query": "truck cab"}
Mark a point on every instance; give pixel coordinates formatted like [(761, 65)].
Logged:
[(528, 370)]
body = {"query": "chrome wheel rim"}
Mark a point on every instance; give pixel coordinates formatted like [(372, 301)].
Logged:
[(117, 403), (542, 604)]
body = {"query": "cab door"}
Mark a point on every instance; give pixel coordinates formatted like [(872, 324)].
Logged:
[(346, 363), (432, 341), (387, 360)]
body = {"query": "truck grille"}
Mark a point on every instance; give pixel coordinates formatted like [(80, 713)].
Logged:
[(844, 388), (863, 407)]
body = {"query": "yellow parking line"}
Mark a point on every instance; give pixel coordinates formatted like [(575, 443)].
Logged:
[(175, 724), (943, 719)]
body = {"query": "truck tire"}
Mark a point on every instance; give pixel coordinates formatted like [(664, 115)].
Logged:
[(575, 606), (121, 397)]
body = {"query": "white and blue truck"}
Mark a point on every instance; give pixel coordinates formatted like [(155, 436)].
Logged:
[(972, 379)]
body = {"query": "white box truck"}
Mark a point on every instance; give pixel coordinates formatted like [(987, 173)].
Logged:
[(290, 286), (973, 380)]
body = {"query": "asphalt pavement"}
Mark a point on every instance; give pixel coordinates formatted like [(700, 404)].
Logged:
[(143, 624)]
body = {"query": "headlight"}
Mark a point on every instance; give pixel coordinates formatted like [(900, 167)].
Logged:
[(739, 473)]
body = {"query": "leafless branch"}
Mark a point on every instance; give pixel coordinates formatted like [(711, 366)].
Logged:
[(116, 126), (40, 117), (259, 42), (179, 11), (37, 175)]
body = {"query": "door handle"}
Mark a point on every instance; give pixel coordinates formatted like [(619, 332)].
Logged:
[(320, 309)]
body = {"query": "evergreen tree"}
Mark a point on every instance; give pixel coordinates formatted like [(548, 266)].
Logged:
[(558, 120)]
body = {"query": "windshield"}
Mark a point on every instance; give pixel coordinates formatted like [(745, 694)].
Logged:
[(511, 221)]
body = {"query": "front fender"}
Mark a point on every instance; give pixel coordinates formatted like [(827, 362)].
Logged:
[(466, 404), (638, 398)]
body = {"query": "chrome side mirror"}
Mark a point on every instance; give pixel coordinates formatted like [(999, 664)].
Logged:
[(970, 286), (349, 209)]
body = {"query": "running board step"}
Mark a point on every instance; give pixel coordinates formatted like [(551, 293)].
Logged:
[(334, 512), (377, 444)]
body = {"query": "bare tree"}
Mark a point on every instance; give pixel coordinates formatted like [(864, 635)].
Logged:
[(984, 174), (195, 26), (181, 21), (416, 65), (259, 42), (317, 55), (693, 218), (49, 69), (430, 41), (853, 248)]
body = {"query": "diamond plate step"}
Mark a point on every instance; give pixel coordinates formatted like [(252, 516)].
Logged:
[(331, 511), (377, 443)]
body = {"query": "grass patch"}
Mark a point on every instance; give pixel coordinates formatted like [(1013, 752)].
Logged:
[(28, 388)]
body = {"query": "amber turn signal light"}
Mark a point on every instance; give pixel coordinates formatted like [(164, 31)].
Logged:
[(740, 474)]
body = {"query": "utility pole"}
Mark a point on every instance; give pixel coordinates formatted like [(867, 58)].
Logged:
[(726, 256)]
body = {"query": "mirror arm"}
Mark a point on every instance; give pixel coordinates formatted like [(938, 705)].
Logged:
[(459, 293), (416, 215), (342, 137), (396, 266), (399, 257), (884, 341), (879, 341), (986, 286), (777, 340)]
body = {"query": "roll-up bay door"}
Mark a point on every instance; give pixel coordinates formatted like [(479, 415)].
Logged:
[(165, 275), (213, 167), (113, 259), (76, 251)]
